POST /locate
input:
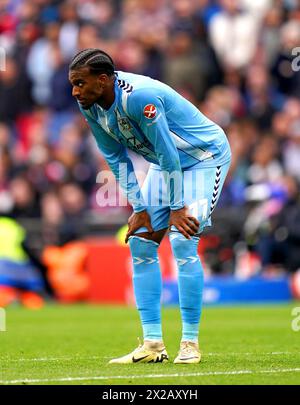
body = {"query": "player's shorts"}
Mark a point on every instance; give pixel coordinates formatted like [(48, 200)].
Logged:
[(201, 190)]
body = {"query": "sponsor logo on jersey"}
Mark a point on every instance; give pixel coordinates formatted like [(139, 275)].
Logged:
[(150, 111), (124, 124)]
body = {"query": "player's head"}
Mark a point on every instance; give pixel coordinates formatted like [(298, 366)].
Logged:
[(90, 72)]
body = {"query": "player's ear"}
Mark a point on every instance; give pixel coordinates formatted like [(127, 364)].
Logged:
[(103, 79)]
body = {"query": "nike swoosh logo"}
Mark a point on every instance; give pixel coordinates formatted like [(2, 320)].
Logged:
[(188, 358), (139, 359)]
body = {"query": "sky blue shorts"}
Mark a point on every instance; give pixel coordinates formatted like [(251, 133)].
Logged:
[(202, 188)]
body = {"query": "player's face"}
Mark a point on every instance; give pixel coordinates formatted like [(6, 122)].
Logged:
[(87, 88)]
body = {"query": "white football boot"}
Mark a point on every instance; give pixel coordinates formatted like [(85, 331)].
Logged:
[(188, 354), (149, 352)]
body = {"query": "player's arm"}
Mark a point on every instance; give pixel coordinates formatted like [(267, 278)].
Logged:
[(120, 164), (147, 109)]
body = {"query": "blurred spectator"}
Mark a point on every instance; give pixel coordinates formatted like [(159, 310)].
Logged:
[(15, 97), (278, 243), (52, 219), (69, 29), (22, 275), (73, 202), (184, 16), (26, 34), (39, 64), (5, 173), (88, 36), (287, 79), (265, 165), (262, 99), (58, 84), (103, 14), (291, 147), (242, 136), (59, 222), (222, 105), (132, 57), (183, 68), (271, 32), (25, 204), (146, 21), (233, 34)]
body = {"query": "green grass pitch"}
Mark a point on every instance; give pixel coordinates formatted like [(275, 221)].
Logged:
[(73, 344)]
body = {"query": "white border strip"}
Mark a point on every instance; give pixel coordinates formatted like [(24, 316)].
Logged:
[(118, 377)]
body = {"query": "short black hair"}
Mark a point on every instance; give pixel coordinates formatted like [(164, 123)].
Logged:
[(96, 60)]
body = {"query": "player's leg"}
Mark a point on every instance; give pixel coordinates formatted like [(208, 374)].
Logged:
[(190, 288), (147, 283), (202, 189), (147, 286)]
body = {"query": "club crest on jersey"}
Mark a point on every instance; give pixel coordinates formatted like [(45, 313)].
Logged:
[(124, 124), (150, 111)]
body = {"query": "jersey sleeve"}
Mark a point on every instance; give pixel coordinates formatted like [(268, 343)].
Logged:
[(147, 109), (116, 156)]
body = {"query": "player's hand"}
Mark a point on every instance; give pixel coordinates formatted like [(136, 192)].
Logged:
[(138, 220), (184, 222)]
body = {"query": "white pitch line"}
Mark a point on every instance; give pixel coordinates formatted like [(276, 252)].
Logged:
[(41, 359), (249, 354), (118, 377)]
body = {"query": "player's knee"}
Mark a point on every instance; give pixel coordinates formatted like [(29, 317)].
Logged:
[(156, 236), (183, 247), (141, 247)]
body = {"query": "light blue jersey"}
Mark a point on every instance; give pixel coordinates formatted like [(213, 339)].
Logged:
[(153, 120)]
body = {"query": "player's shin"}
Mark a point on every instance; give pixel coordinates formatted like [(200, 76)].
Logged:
[(147, 284), (190, 283)]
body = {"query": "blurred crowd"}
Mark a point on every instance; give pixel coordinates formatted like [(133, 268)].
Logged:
[(236, 60)]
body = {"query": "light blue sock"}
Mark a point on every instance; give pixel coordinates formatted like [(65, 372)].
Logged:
[(147, 285), (190, 283)]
